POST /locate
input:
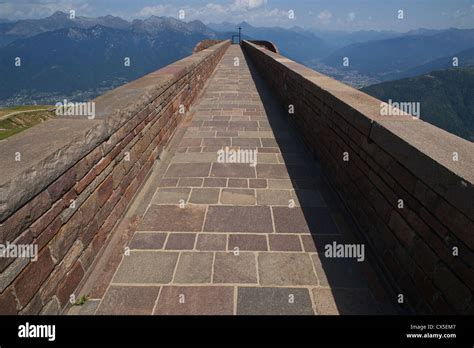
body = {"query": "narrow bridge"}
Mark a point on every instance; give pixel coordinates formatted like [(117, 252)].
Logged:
[(237, 181)]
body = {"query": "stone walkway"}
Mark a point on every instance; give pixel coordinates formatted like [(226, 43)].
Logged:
[(239, 238)]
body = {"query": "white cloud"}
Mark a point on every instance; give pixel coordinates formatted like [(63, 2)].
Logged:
[(249, 4), (158, 10), (351, 16), (325, 15), (252, 11), (43, 8)]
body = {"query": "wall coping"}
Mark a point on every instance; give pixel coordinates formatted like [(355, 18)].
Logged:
[(424, 149), (202, 45), (49, 149), (267, 44)]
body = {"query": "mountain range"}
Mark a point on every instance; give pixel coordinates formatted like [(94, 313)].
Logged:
[(84, 57), (391, 58), (72, 59), (11, 31), (463, 59), (289, 41), (446, 98), (342, 38), (81, 58)]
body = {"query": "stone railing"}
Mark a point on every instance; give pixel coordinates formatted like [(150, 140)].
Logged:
[(407, 184), (204, 44), (267, 44), (66, 183)]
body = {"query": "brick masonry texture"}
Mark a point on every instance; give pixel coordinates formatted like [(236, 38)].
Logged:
[(99, 165), (236, 238), (389, 160), (217, 239)]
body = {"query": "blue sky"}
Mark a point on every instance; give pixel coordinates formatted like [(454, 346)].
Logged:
[(322, 14)]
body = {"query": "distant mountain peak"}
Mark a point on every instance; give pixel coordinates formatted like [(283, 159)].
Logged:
[(76, 34), (245, 24), (197, 21), (85, 56), (59, 14), (97, 29), (161, 19), (154, 25)]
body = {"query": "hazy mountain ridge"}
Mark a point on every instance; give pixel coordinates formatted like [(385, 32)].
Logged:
[(343, 38), (289, 41), (65, 61), (82, 58), (465, 59), (57, 21), (92, 52), (11, 31), (446, 98), (391, 56)]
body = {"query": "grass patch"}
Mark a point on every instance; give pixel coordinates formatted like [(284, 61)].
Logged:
[(20, 122), (9, 110), (81, 300)]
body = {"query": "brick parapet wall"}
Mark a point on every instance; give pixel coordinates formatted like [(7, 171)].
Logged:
[(204, 44), (267, 44), (76, 178), (390, 158)]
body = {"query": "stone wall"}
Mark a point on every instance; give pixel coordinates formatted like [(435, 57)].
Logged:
[(66, 183), (267, 44), (407, 184), (202, 45)]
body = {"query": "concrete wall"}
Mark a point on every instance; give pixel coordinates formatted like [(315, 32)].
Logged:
[(66, 183), (411, 199)]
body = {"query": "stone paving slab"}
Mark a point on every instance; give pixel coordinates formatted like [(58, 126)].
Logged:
[(148, 241), (238, 219), (286, 269), (171, 195), (211, 242), (194, 268), (235, 269), (146, 268), (129, 300), (344, 301), (202, 300), (238, 197), (247, 242), (273, 301), (226, 236), (173, 218), (204, 196)]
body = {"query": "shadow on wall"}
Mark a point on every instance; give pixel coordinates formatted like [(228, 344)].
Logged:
[(354, 286), (267, 44)]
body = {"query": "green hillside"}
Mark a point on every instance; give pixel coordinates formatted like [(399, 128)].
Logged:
[(23, 117), (446, 98)]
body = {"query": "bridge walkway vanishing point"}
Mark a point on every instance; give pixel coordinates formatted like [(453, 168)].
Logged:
[(206, 237)]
